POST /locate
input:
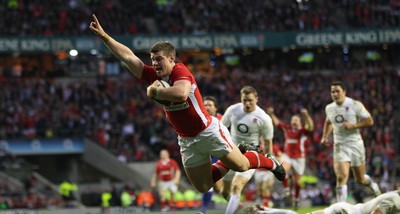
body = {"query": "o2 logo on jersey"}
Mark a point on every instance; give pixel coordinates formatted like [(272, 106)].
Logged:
[(243, 128), (339, 118)]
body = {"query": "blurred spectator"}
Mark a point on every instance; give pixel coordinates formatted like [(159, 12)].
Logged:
[(145, 200), (106, 198), (67, 190)]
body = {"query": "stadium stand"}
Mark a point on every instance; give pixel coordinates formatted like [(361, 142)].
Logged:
[(49, 18)]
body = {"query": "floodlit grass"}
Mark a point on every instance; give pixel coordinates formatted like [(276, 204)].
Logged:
[(222, 211)]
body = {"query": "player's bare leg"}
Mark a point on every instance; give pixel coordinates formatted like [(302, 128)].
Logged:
[(226, 189), (218, 186), (297, 187), (364, 179), (200, 176), (342, 170), (238, 183), (285, 182), (204, 176), (266, 194)]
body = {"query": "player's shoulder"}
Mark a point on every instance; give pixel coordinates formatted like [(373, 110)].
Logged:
[(357, 103), (180, 72), (180, 66), (261, 112), (262, 115), (330, 105), (234, 107), (354, 103)]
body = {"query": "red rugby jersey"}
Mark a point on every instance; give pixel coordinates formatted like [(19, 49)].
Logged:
[(190, 117)]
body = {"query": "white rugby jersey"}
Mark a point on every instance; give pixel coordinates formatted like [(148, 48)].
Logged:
[(388, 202), (352, 111), (248, 126)]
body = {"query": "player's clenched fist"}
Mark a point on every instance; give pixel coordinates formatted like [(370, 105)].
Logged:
[(152, 89)]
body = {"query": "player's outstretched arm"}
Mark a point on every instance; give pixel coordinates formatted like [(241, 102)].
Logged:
[(119, 50), (275, 119), (309, 123), (154, 180), (327, 130)]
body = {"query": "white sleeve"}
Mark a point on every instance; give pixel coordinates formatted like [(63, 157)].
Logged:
[(275, 211), (226, 118), (390, 205), (339, 208), (267, 131), (360, 110)]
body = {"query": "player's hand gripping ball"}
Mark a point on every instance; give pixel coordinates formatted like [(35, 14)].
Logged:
[(162, 84)]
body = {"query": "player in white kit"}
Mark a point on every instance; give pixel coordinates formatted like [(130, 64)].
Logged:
[(387, 203), (248, 124), (345, 116)]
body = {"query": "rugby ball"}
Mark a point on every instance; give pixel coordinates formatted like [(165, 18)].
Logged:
[(162, 84)]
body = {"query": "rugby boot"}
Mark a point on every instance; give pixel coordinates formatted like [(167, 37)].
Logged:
[(244, 147), (279, 171)]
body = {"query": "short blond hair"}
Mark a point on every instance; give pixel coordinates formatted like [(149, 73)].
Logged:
[(248, 90)]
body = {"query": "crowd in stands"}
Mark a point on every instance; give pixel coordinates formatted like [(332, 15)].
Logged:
[(125, 17), (117, 114)]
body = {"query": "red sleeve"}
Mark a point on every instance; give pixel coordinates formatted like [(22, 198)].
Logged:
[(283, 125), (157, 170), (149, 74), (181, 72), (306, 132)]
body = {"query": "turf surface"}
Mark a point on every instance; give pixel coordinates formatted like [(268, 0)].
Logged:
[(222, 211)]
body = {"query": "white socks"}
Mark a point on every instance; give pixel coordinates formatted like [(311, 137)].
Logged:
[(369, 181), (233, 204), (371, 184), (341, 193)]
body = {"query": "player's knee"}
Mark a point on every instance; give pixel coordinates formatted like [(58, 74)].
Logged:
[(240, 168), (236, 188), (216, 189), (340, 178), (361, 181)]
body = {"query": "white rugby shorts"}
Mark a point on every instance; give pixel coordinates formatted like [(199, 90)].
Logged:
[(247, 174), (263, 175), (167, 185), (215, 140), (353, 152), (298, 164)]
